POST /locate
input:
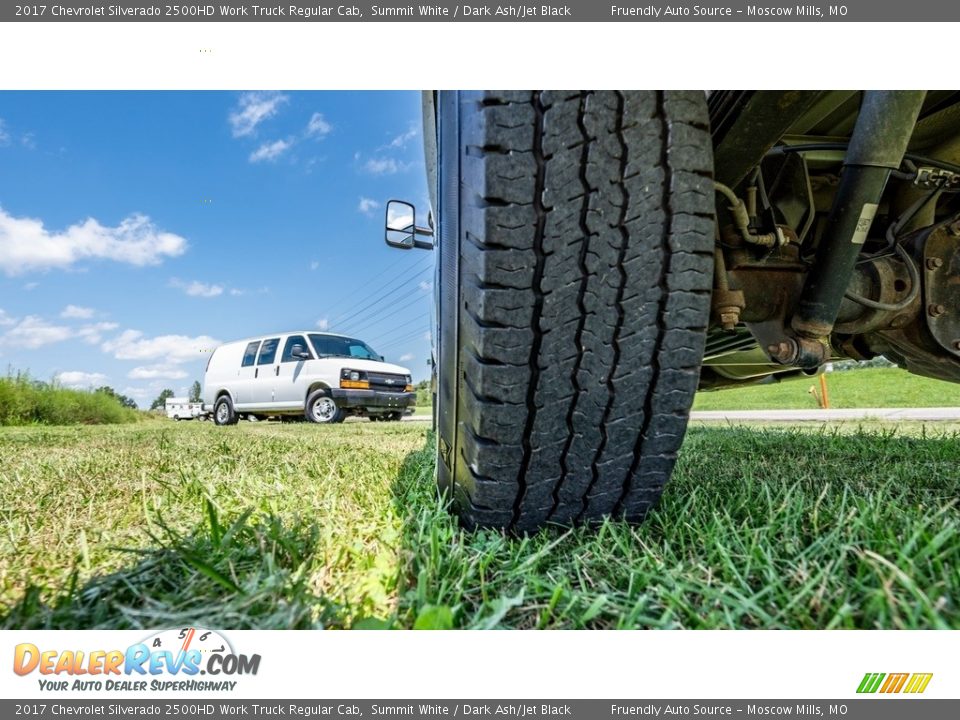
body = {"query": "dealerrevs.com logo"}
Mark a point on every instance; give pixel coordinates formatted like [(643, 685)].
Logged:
[(168, 660), (888, 683)]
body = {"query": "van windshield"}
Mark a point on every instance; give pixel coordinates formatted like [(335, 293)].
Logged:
[(335, 346)]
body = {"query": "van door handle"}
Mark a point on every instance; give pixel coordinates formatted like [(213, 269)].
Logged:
[(256, 371), (276, 371)]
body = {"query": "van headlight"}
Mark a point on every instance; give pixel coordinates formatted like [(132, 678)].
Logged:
[(354, 379)]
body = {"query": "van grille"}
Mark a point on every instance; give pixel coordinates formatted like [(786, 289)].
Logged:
[(386, 381)]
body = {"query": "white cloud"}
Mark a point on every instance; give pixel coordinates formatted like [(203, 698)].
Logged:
[(314, 265), (171, 349), (270, 151), (197, 288), (318, 127), (4, 135), (323, 324), (80, 380), (426, 336), (33, 332), (30, 285), (400, 141), (75, 311), (398, 218), (155, 372), (28, 141), (384, 166), (237, 292), (425, 286), (25, 244), (6, 319), (367, 205), (406, 358), (252, 109), (92, 334)]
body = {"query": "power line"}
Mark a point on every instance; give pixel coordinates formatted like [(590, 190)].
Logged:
[(374, 319), (342, 321), (417, 268), (406, 338), (408, 323)]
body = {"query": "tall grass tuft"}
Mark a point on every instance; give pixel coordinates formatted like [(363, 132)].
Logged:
[(24, 401)]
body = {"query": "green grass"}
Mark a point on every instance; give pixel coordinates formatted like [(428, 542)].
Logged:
[(865, 388), (265, 525), (27, 402)]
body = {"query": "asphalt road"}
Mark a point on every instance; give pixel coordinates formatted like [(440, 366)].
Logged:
[(812, 415), (816, 415)]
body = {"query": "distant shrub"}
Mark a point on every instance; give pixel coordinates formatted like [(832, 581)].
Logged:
[(24, 401)]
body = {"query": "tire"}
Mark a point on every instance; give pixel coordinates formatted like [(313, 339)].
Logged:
[(393, 417), (223, 412), (321, 408), (576, 261)]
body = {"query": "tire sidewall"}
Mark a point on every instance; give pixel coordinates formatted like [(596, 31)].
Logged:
[(321, 397), (229, 416)]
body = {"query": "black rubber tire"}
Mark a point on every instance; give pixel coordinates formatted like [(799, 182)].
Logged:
[(578, 228), (230, 415), (337, 416)]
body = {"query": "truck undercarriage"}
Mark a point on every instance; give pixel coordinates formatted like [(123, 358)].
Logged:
[(837, 233)]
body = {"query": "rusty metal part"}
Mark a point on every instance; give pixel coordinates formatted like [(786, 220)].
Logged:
[(941, 283), (884, 279), (727, 305), (802, 352)]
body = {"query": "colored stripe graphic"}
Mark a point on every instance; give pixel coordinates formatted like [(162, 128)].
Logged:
[(870, 682), (894, 683), (918, 682)]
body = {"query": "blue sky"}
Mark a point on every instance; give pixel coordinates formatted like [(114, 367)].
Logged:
[(138, 229)]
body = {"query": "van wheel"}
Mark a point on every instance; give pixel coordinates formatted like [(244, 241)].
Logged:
[(577, 258), (223, 412), (321, 408)]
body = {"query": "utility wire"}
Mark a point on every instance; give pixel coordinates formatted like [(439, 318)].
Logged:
[(344, 321), (414, 268)]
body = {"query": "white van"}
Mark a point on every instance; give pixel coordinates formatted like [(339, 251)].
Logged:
[(320, 375), (182, 409)]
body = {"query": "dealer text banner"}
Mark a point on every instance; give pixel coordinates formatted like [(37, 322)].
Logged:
[(479, 709), (448, 11)]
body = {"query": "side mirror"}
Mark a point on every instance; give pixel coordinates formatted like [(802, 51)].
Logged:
[(400, 224), (298, 352), (401, 229)]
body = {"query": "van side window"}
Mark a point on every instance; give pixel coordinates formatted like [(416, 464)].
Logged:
[(288, 348), (269, 351), (250, 354)]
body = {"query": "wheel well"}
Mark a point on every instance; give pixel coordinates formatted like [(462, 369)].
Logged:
[(223, 393), (316, 386)]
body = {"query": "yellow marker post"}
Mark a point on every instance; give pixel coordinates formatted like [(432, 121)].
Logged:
[(824, 398)]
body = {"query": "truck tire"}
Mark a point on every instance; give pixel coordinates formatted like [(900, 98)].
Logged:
[(576, 262), (321, 408), (223, 412)]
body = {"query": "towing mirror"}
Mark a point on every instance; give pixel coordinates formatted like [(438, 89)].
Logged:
[(401, 229), (299, 352)]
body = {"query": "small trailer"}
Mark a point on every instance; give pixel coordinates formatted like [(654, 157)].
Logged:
[(182, 409)]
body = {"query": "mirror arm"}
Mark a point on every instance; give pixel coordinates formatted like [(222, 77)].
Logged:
[(423, 244)]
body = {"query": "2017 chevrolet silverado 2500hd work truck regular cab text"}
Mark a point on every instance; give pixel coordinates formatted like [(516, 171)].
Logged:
[(602, 255), (321, 376)]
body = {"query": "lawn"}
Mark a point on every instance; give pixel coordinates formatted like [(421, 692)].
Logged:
[(864, 388), (268, 525)]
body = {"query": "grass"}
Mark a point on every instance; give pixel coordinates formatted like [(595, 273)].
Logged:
[(265, 525), (27, 402), (865, 388)]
